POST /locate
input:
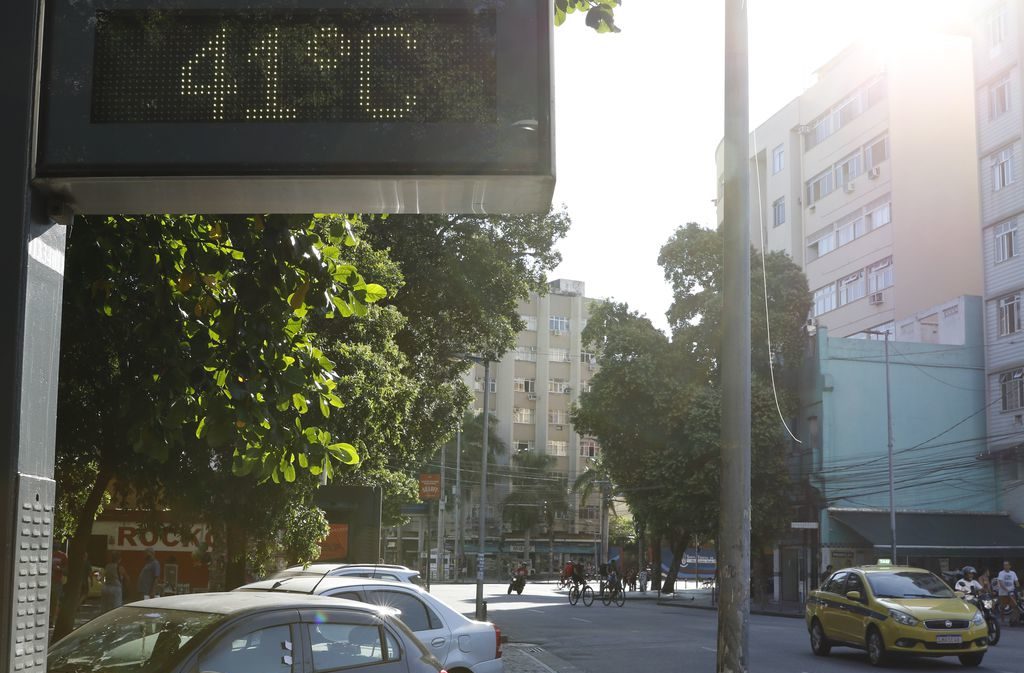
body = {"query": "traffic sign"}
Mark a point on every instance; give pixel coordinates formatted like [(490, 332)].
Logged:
[(318, 106), (430, 486)]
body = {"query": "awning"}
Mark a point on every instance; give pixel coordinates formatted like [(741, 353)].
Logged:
[(938, 533)]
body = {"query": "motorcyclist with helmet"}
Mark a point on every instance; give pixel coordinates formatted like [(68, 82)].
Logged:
[(967, 584)]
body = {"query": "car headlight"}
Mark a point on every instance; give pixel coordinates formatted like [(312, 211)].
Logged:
[(988, 603), (902, 618), (978, 619)]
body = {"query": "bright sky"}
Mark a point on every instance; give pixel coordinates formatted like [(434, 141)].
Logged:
[(639, 115)]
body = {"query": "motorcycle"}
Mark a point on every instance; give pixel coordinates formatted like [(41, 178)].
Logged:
[(986, 604), (517, 585), (1008, 612)]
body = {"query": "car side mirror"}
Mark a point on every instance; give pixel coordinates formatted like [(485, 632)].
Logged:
[(853, 595), (959, 594)]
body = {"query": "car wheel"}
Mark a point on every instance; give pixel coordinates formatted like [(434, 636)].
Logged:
[(876, 649), (994, 632), (819, 643), (972, 660)]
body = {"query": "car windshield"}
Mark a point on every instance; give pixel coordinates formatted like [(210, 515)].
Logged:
[(130, 639), (908, 584)]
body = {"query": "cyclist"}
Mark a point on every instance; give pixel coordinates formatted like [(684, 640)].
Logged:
[(1007, 585), (567, 572), (577, 573)]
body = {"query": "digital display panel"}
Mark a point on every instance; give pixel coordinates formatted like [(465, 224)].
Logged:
[(343, 65)]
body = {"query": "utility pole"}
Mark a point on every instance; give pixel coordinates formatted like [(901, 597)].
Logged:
[(888, 423), (457, 494), (734, 519), (480, 610), (440, 520)]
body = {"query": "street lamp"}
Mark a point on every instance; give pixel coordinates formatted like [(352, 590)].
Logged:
[(486, 362)]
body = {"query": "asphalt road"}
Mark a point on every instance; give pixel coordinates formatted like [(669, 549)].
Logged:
[(645, 637)]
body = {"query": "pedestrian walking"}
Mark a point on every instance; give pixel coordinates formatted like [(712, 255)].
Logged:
[(149, 575), (114, 579), (1007, 584), (643, 577)]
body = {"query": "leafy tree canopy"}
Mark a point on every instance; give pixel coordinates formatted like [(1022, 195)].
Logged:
[(600, 14)]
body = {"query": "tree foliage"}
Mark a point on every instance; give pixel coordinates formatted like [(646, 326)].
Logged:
[(655, 403), (599, 14)]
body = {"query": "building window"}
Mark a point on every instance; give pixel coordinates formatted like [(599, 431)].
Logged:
[(588, 359), (557, 447), (558, 417), (779, 211), (821, 245), (880, 275), (851, 288), (523, 415), (848, 169), (996, 29), (558, 355), (558, 324), (778, 159), (1008, 311), (523, 445), (527, 353), (885, 328), (559, 386), (1006, 240), (824, 299), (531, 322), (849, 228), (999, 98), (588, 448), (879, 215), (1002, 168), (478, 385), (1012, 385), (819, 187), (875, 91), (589, 512), (524, 385), (876, 151)]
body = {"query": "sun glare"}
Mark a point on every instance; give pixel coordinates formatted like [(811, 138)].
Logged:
[(904, 26)]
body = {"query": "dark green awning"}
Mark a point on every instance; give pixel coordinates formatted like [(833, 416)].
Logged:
[(937, 533)]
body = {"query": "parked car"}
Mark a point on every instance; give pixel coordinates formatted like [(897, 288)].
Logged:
[(243, 631), (379, 571), (463, 645), (889, 610)]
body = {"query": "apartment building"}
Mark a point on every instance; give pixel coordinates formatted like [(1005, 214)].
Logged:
[(867, 181), (999, 113), (532, 390)]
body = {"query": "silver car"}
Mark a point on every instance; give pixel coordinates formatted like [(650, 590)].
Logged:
[(377, 571), (234, 632), (463, 645)]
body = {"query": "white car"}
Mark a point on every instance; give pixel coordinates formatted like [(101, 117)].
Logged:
[(377, 571), (461, 644)]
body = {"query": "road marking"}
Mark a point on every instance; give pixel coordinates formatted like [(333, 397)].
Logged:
[(709, 649), (539, 662), (580, 619), (539, 612)]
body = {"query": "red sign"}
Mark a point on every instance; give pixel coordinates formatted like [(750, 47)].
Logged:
[(430, 487), (335, 547)]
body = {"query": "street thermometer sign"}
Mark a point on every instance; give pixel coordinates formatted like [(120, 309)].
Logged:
[(297, 106)]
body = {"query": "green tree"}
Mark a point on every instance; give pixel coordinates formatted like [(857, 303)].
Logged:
[(599, 14), (537, 497), (184, 341)]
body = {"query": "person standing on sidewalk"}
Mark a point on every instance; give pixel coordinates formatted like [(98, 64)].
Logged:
[(114, 578), (149, 575)]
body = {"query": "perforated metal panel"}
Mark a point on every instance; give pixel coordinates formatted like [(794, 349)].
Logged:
[(30, 608)]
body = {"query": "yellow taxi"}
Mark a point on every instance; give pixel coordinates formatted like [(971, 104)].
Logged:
[(889, 610)]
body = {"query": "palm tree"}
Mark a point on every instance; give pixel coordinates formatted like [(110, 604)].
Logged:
[(472, 459), (596, 478), (537, 496)]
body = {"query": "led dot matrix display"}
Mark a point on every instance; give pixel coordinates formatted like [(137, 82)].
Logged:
[(396, 65)]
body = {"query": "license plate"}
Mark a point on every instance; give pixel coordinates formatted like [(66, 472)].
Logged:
[(949, 639)]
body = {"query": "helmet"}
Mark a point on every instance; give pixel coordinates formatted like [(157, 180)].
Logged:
[(969, 569)]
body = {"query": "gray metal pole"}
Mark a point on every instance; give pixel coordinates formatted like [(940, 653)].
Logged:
[(440, 520), (457, 494), (483, 497), (892, 486), (734, 518)]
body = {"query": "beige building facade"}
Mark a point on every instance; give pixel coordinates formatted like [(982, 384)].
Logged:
[(868, 181)]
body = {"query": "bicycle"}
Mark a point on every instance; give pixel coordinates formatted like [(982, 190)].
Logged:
[(586, 593), (614, 594)]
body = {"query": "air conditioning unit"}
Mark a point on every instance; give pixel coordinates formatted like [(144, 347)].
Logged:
[(811, 208), (531, 396), (848, 187), (559, 427), (876, 298), (556, 332), (873, 172), (804, 128)]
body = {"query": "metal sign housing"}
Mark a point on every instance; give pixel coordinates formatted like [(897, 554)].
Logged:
[(300, 106)]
